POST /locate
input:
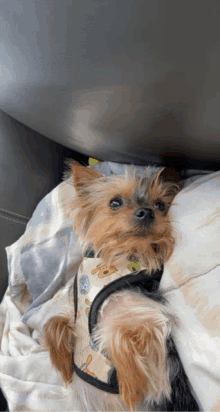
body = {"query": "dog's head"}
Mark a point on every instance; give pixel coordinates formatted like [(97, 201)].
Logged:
[(125, 217)]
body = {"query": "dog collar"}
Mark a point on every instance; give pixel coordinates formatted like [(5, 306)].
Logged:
[(94, 283)]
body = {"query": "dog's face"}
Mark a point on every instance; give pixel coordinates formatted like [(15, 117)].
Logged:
[(125, 217)]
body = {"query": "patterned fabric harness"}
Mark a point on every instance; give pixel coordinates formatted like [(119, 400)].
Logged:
[(93, 284)]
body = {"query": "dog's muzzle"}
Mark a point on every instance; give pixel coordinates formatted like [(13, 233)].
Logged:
[(144, 216)]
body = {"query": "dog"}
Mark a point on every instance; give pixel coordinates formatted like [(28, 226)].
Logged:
[(116, 346)]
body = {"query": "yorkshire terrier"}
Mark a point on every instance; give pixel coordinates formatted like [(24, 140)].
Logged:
[(116, 347)]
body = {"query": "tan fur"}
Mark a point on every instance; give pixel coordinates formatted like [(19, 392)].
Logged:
[(59, 339), (132, 331), (113, 234)]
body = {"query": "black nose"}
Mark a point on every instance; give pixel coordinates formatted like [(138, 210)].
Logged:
[(144, 215)]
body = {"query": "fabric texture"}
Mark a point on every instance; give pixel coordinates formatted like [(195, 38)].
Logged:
[(42, 266)]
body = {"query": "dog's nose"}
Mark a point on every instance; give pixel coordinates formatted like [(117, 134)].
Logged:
[(144, 215)]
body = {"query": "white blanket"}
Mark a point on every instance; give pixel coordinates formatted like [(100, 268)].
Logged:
[(42, 265)]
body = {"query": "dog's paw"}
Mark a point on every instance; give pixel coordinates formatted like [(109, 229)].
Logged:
[(59, 339)]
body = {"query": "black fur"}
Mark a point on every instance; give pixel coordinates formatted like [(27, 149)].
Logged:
[(181, 396)]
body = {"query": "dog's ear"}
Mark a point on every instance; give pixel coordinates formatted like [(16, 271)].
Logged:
[(169, 174), (171, 180), (94, 271), (82, 175), (59, 340)]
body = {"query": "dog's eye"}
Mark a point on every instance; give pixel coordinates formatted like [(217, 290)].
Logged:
[(116, 203), (159, 205)]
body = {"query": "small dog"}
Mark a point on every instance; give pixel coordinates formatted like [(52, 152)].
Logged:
[(119, 340)]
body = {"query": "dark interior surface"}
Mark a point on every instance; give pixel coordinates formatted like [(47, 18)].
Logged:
[(128, 81), (31, 166)]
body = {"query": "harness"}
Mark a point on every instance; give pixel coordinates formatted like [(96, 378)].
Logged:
[(94, 283)]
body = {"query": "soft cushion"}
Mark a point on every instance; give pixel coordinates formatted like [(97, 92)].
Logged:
[(193, 275)]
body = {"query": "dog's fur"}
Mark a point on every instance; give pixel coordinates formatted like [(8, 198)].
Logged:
[(126, 217), (113, 234)]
